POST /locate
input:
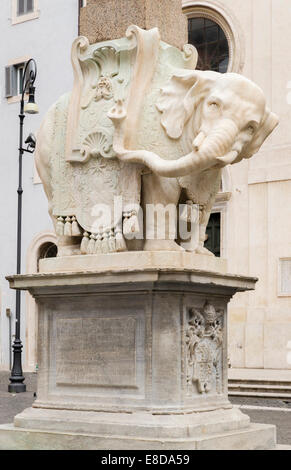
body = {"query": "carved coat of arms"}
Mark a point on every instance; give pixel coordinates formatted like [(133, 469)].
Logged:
[(204, 338)]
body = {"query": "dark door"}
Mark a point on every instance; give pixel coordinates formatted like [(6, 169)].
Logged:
[(213, 233)]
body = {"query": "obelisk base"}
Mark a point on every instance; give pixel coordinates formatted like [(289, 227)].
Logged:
[(255, 437)]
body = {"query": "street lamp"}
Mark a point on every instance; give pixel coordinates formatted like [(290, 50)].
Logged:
[(28, 79)]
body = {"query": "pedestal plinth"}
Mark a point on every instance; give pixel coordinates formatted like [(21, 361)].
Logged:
[(133, 359)]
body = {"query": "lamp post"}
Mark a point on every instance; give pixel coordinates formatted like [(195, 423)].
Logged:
[(28, 79)]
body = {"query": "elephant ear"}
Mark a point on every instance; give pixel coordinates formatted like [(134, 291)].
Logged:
[(268, 124), (180, 97)]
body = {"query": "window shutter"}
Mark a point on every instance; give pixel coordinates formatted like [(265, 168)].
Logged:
[(29, 6), (20, 7), (9, 81)]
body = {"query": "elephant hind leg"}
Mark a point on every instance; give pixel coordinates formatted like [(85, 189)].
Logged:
[(68, 246), (162, 245), (204, 218)]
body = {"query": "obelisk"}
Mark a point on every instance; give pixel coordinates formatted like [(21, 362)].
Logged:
[(101, 20)]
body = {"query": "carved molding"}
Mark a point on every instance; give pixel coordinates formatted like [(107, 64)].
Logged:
[(100, 74)]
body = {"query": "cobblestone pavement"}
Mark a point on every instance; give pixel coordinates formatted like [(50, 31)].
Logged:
[(12, 404), (268, 411), (260, 410)]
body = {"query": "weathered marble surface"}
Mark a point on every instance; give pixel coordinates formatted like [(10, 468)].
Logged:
[(133, 260), (134, 358), (141, 130), (257, 437)]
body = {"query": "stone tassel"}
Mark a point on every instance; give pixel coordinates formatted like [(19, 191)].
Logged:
[(98, 244), (91, 245), (68, 227), (111, 242), (104, 243), (60, 226), (85, 243), (76, 231), (120, 244)]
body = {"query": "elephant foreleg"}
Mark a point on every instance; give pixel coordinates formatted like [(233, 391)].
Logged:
[(68, 246), (203, 222), (160, 198)]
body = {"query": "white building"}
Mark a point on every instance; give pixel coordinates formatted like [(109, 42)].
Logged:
[(44, 30), (255, 209)]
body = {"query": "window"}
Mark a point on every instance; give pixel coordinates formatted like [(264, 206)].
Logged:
[(47, 250), (284, 287), (24, 7), (217, 34), (212, 242), (14, 79), (211, 43), (24, 10), (19, 70)]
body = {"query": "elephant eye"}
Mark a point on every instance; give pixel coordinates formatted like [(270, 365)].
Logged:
[(251, 129), (213, 105)]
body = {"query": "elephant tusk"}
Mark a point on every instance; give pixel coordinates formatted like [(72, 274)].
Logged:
[(228, 158), (171, 169), (198, 141)]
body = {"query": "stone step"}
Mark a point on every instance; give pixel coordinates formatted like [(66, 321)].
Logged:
[(258, 394), (252, 386), (250, 381), (256, 437), (260, 388)]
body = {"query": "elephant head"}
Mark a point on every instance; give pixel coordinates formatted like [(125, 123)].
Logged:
[(222, 118), (227, 114)]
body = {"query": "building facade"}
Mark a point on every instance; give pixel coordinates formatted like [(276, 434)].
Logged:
[(251, 222), (29, 28), (255, 224)]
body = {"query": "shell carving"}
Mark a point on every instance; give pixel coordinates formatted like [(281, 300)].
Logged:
[(97, 144)]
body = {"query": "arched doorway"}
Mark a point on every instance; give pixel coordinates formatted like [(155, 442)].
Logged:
[(42, 246)]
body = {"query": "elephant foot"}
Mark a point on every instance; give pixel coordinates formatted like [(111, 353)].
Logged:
[(162, 245), (201, 250), (69, 250)]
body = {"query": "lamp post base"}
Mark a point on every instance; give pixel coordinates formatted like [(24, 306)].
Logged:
[(17, 378), (17, 387)]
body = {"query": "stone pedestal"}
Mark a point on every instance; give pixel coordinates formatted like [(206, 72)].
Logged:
[(102, 20), (133, 358)]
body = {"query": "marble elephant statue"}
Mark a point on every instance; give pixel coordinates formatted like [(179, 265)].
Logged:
[(143, 127), (220, 119)]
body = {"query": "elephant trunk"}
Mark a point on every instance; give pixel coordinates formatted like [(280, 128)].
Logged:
[(219, 141), (215, 145), (173, 169)]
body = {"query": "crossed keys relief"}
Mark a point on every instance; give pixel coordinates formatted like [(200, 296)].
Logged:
[(204, 337)]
